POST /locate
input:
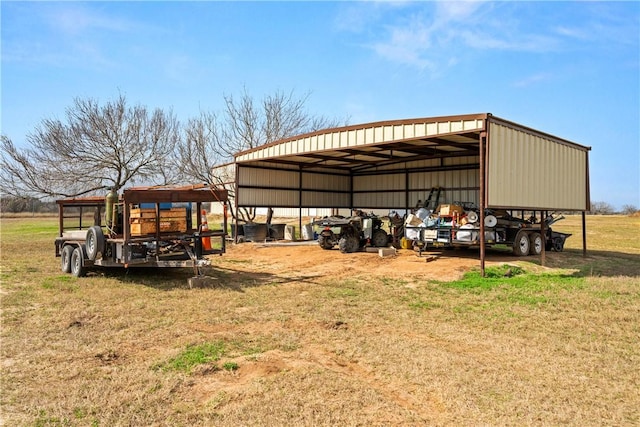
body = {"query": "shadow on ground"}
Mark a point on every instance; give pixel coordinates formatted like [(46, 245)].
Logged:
[(595, 263), (218, 278)]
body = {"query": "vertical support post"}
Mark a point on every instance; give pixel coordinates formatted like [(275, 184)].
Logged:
[(350, 193), (236, 195), (587, 206), (60, 220), (299, 201), (483, 139), (224, 227), (157, 235), (126, 228), (584, 234), (406, 190), (543, 233)]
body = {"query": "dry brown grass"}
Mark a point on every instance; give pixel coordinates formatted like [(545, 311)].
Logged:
[(322, 338)]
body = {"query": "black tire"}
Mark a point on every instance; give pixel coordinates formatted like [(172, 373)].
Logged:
[(380, 238), (548, 245), (77, 265), (558, 244), (535, 244), (65, 258), (325, 242), (94, 242), (348, 244), (521, 244)]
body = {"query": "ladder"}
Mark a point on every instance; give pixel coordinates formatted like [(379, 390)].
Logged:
[(428, 204)]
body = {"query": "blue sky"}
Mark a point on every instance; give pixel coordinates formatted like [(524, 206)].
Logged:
[(571, 69)]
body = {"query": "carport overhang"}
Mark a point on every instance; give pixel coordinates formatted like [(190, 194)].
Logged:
[(515, 167), (364, 149)]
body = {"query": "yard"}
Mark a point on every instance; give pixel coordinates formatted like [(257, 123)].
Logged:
[(294, 335)]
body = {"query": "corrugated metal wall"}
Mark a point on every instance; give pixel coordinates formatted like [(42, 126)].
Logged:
[(390, 191), (280, 188), (527, 169)]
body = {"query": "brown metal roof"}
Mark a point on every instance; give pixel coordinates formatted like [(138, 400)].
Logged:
[(360, 147)]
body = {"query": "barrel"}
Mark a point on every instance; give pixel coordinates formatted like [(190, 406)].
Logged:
[(254, 232), (276, 231)]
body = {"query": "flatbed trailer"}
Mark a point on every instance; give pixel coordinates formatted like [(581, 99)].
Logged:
[(524, 236), (143, 227)]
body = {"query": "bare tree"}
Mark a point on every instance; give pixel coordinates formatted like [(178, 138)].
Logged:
[(98, 147), (249, 124), (601, 208), (211, 140), (629, 209)]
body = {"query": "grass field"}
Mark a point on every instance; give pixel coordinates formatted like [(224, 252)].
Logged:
[(283, 342)]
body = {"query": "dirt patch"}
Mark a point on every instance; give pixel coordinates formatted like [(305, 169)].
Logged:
[(311, 260)]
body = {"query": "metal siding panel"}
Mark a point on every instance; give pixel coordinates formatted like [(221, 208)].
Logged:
[(409, 131), (387, 133), (378, 182), (398, 132), (370, 134), (378, 200), (324, 199), (344, 139), (311, 181), (528, 170), (261, 197)]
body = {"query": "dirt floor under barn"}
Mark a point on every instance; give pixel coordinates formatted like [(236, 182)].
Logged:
[(309, 258)]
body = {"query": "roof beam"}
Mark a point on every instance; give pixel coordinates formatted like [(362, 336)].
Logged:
[(413, 159)]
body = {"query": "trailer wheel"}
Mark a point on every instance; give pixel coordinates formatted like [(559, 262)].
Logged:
[(65, 258), (325, 242), (548, 244), (77, 267), (94, 242), (348, 244), (558, 244), (535, 244), (380, 238), (521, 244)]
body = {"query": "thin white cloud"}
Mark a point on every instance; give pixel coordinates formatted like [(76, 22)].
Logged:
[(532, 80), (71, 35), (428, 36), (74, 19), (180, 68), (448, 11)]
